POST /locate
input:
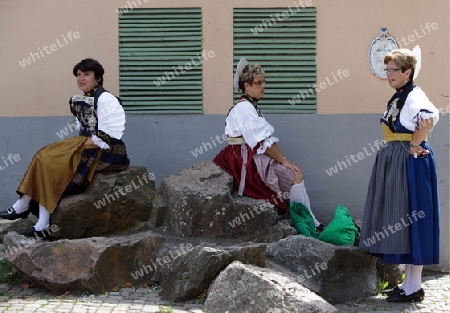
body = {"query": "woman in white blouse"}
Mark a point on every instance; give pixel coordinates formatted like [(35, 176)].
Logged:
[(68, 166), (401, 214), (253, 157)]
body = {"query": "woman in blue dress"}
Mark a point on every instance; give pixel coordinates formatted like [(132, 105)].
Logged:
[(401, 215)]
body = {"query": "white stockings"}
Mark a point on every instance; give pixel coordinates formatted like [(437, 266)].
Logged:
[(44, 219), (22, 204), (298, 194), (413, 279)]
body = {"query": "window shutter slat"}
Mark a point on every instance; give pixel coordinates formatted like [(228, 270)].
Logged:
[(156, 48), (286, 49)]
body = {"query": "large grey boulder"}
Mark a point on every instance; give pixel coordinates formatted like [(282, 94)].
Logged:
[(95, 264), (114, 201), (201, 202), (7, 226), (390, 273), (249, 289), (337, 273), (189, 276)]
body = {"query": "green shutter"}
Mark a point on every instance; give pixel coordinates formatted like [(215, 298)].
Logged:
[(161, 46), (285, 46)]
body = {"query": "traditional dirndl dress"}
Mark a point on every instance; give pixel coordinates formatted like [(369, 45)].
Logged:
[(254, 174), (65, 167), (401, 214)]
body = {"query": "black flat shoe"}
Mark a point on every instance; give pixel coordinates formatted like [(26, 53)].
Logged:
[(320, 228), (39, 234), (402, 297), (393, 291), (11, 215)]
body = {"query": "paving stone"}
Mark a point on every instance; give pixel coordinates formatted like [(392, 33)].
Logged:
[(136, 306), (130, 300), (436, 286), (138, 302), (151, 308)]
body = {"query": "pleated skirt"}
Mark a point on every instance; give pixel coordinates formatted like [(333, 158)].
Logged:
[(401, 213)]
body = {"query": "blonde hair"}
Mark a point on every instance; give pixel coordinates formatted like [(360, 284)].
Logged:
[(404, 58), (248, 73)]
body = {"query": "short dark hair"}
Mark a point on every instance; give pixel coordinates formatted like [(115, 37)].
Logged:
[(90, 65)]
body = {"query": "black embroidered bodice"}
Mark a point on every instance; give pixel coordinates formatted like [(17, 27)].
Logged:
[(395, 105), (84, 109)]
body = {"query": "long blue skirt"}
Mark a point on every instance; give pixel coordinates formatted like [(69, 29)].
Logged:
[(421, 224)]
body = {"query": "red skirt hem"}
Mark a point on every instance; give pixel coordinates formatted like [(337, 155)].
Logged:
[(230, 160)]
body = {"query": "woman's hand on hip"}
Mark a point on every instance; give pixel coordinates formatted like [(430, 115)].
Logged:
[(418, 151)]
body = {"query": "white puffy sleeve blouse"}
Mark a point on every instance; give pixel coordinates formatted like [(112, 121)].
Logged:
[(416, 108), (243, 120)]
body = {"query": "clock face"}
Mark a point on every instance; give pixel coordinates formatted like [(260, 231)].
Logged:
[(380, 46)]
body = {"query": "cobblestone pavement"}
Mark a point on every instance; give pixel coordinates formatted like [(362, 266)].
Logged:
[(130, 300), (437, 299)]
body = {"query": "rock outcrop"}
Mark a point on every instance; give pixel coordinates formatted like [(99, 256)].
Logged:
[(112, 202), (184, 269), (201, 202), (390, 273), (190, 275), (193, 237), (250, 289), (8, 226), (337, 273), (95, 264)]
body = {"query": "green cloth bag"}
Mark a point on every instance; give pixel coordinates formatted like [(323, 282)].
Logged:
[(302, 220), (341, 230)]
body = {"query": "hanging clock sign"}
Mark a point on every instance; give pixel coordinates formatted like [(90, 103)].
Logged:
[(381, 45)]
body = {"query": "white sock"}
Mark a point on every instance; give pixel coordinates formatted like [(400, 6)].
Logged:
[(407, 275), (22, 204), (44, 219), (415, 281), (298, 194)]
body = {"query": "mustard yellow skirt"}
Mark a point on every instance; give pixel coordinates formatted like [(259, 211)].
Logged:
[(51, 170)]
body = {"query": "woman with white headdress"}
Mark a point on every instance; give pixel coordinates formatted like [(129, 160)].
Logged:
[(401, 215), (253, 157)]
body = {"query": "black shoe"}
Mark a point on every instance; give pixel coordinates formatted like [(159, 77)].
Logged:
[(31, 232), (402, 297), (393, 291), (320, 229), (11, 215)]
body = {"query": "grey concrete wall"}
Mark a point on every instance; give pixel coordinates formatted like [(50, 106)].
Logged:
[(167, 144)]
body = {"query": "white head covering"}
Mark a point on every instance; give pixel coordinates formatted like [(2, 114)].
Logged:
[(418, 54), (243, 62)]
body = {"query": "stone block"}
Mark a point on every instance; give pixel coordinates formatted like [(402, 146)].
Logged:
[(114, 201)]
